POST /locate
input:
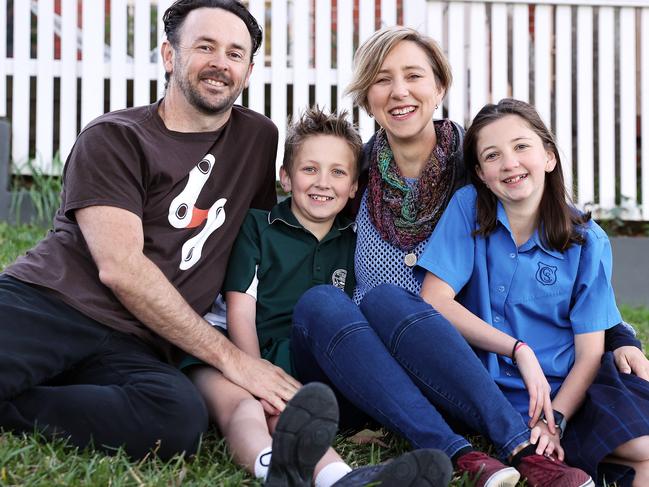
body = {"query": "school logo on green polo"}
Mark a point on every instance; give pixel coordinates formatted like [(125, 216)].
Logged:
[(338, 278)]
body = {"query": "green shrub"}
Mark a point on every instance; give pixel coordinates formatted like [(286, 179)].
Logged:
[(43, 190)]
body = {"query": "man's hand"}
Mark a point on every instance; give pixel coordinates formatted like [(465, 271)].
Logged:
[(268, 409), (269, 383), (631, 360)]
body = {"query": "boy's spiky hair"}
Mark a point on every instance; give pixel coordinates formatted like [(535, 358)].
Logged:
[(315, 121)]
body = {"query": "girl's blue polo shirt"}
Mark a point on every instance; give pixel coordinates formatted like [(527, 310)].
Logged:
[(532, 293)]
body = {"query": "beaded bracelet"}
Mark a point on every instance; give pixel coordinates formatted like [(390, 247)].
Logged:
[(518, 344)]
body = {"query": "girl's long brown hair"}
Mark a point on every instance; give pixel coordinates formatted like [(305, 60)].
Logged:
[(559, 221)]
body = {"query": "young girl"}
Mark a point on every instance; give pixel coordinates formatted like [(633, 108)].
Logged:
[(526, 279)]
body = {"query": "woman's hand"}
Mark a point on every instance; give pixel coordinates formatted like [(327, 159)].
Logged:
[(537, 387), (546, 442), (631, 360)]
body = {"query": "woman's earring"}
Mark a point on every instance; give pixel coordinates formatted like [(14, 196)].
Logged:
[(436, 107)]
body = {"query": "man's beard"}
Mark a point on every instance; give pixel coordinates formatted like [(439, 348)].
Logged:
[(204, 104)]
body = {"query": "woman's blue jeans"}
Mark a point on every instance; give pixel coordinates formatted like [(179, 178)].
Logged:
[(401, 362)]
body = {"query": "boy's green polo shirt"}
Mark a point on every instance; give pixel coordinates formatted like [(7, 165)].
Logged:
[(275, 260)]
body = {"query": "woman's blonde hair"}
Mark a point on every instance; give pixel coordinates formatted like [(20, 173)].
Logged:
[(370, 55)]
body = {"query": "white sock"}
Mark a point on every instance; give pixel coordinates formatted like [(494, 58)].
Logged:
[(262, 462), (331, 474)]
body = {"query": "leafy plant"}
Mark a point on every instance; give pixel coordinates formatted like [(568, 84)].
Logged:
[(617, 227), (14, 241), (41, 188), (621, 220)]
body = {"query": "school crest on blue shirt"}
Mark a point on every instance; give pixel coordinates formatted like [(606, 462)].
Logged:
[(546, 274)]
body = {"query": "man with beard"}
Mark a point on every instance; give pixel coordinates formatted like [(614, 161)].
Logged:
[(153, 197)]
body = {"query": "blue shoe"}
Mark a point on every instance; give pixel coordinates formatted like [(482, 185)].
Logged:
[(419, 468), (304, 432)]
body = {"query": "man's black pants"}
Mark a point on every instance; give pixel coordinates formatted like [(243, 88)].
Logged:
[(66, 375)]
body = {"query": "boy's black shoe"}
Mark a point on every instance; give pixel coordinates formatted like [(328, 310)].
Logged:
[(419, 468), (305, 429)]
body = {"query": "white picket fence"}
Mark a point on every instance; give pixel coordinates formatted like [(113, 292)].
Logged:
[(583, 63)]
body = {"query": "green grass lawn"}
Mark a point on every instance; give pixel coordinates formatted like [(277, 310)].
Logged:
[(28, 460)]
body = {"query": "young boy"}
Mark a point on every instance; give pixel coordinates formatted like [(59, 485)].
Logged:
[(302, 242)]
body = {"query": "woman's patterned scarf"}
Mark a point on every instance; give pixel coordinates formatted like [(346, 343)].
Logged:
[(406, 214)]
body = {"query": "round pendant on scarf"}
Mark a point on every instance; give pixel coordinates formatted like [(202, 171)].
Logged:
[(410, 259)]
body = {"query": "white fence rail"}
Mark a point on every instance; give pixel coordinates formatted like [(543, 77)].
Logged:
[(584, 64)]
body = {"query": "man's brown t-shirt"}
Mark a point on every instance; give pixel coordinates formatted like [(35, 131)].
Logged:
[(191, 191)]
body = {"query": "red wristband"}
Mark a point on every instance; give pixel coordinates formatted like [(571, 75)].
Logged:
[(517, 345)]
